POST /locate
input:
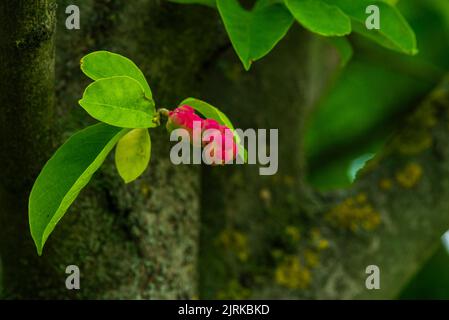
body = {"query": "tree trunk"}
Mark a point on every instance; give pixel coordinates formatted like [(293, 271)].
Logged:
[(27, 102)]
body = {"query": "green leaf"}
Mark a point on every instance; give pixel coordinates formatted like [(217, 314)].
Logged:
[(104, 64), (65, 175), (119, 101), (254, 33), (211, 112), (395, 33), (320, 17), (209, 3), (132, 154), (208, 111)]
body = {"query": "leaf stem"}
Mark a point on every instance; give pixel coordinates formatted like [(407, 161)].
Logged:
[(163, 112), (157, 116)]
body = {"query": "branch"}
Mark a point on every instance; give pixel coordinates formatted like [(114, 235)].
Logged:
[(397, 211)]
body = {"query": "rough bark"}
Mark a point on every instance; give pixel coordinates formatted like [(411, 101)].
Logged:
[(27, 100)]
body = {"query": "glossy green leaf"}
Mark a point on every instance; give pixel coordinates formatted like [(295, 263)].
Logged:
[(119, 101), (65, 175), (132, 154), (104, 64), (320, 17), (254, 33), (208, 111), (395, 33), (211, 112)]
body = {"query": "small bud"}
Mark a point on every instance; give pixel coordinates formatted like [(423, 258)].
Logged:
[(222, 150), (182, 117)]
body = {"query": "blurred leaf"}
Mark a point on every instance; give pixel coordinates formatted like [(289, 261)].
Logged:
[(377, 86), (132, 154), (254, 33), (119, 101), (334, 170), (430, 21), (65, 175), (432, 281), (320, 17), (365, 95)]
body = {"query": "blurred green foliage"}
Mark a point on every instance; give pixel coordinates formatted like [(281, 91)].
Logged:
[(373, 91), (363, 106), (432, 282), (256, 27)]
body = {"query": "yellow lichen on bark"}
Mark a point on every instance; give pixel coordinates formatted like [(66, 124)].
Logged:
[(291, 273), (235, 242), (409, 176), (417, 135), (354, 213)]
